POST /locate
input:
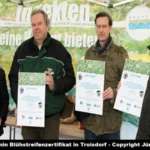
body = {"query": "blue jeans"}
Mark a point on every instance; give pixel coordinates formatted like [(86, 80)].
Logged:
[(110, 136)]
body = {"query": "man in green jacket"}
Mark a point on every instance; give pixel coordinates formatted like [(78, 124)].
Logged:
[(42, 53), (107, 126)]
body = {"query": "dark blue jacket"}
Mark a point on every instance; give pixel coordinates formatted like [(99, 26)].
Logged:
[(144, 123)]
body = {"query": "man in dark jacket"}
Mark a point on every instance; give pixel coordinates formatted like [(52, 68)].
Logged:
[(144, 124), (4, 100), (41, 53)]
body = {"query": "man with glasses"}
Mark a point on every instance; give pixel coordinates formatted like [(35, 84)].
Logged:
[(107, 126)]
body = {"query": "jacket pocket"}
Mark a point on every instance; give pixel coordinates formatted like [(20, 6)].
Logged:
[(114, 120)]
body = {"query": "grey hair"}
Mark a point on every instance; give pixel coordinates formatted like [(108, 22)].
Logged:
[(37, 11)]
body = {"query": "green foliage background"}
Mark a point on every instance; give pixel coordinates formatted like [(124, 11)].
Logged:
[(120, 36)]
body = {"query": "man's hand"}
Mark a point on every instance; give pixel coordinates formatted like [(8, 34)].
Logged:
[(119, 85), (108, 94), (49, 80)]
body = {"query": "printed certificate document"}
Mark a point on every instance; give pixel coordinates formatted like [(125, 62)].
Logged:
[(89, 86), (133, 86), (31, 99)]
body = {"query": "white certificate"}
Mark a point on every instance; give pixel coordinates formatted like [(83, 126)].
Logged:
[(133, 87), (89, 87), (31, 99)]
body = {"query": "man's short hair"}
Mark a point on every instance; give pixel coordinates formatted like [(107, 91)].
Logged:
[(104, 14)]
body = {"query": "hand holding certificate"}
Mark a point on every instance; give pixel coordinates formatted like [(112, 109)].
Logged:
[(89, 86), (31, 99)]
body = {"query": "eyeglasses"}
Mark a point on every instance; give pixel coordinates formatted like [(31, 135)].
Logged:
[(101, 27)]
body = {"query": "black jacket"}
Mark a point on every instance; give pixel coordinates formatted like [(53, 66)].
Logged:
[(144, 124), (52, 55), (4, 99)]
